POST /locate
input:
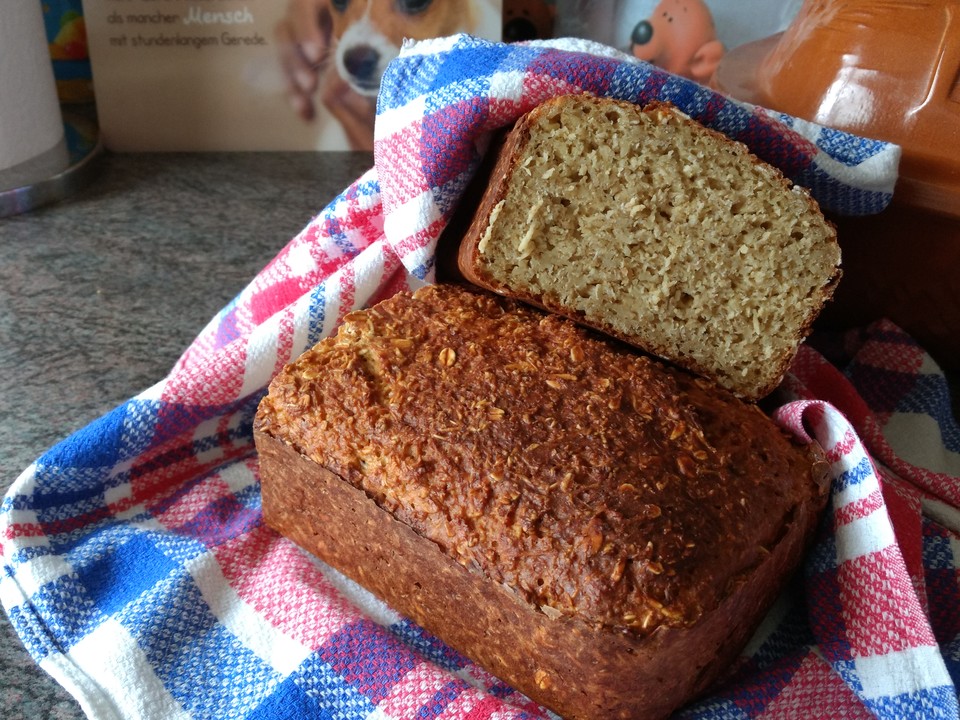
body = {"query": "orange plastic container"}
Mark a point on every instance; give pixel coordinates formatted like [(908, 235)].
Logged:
[(889, 71)]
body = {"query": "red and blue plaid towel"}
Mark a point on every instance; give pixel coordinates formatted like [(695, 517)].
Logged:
[(138, 572)]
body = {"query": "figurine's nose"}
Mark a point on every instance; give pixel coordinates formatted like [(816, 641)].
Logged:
[(642, 33)]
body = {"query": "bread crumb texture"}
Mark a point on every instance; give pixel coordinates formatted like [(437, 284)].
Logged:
[(585, 478), (665, 233)]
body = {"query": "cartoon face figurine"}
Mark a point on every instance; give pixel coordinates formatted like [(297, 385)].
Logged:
[(680, 37)]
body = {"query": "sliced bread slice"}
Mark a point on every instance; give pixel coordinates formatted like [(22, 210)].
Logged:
[(644, 224)]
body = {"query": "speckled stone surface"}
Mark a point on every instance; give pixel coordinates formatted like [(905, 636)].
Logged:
[(100, 294)]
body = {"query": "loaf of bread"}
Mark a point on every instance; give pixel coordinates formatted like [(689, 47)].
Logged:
[(646, 225), (600, 531)]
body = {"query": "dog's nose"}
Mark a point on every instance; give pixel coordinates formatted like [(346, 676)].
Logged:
[(519, 29), (361, 61)]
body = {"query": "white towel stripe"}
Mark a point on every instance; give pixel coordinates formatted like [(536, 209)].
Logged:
[(398, 118), (900, 672), (261, 355), (254, 632), (125, 686), (863, 536)]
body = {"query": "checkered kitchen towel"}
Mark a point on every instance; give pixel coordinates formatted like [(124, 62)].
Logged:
[(138, 572)]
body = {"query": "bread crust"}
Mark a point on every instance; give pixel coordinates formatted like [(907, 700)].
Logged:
[(509, 154), (575, 669), (617, 575)]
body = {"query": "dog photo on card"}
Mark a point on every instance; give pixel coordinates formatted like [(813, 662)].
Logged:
[(272, 75), (334, 52)]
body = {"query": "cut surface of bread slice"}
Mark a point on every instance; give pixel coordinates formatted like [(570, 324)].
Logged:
[(652, 228)]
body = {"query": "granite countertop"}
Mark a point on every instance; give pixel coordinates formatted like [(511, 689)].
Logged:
[(100, 293)]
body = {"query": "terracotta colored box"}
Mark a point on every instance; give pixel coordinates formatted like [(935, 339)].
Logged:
[(891, 72)]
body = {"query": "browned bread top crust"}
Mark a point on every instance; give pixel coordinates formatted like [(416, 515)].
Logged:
[(587, 479)]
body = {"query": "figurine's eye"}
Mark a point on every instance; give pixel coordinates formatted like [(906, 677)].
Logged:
[(642, 33), (340, 5), (412, 7)]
